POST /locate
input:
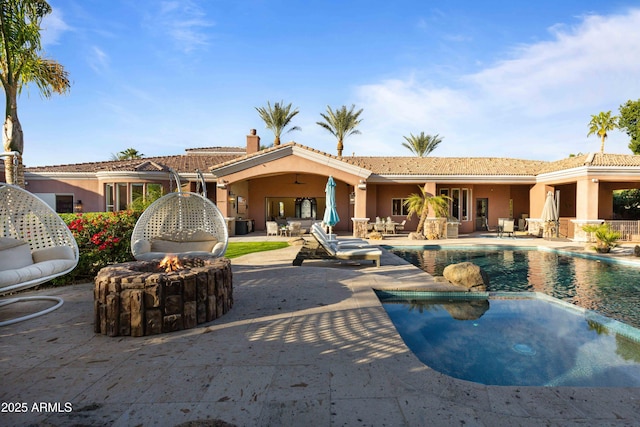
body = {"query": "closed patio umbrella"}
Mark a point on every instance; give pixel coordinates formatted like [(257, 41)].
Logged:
[(549, 211), (331, 217)]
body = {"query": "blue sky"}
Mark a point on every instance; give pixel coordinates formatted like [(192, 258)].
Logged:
[(493, 78)]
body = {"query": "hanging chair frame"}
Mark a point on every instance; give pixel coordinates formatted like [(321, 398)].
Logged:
[(24, 217), (180, 211)]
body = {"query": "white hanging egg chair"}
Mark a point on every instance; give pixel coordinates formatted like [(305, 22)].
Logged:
[(35, 246), (180, 223)]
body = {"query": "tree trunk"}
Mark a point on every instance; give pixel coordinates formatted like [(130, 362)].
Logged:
[(602, 144), (340, 148), (424, 213), (276, 141), (13, 139)]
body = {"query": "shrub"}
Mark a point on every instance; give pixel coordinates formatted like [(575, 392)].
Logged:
[(605, 237), (103, 238)]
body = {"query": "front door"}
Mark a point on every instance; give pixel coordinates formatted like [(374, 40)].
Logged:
[(482, 214)]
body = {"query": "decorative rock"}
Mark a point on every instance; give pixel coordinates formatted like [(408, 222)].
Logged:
[(636, 251), (375, 235), (416, 236), (467, 275)]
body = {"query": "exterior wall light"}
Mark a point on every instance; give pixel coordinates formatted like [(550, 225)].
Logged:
[(362, 185)]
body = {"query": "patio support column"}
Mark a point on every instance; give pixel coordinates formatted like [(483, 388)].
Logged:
[(222, 200), (587, 191), (430, 190)]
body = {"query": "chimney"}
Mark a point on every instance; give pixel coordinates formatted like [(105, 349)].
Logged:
[(253, 142)]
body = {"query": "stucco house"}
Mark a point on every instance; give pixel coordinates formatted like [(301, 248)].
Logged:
[(288, 181)]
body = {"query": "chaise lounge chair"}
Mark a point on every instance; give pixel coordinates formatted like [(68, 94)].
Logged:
[(320, 248), (319, 233)]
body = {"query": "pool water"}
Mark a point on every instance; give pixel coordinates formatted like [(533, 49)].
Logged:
[(524, 339), (610, 288)]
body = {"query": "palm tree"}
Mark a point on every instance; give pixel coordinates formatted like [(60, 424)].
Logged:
[(278, 118), (341, 123), (20, 64), (421, 145), (601, 124), (420, 203), (128, 154)]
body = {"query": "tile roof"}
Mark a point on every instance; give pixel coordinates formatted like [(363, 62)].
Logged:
[(447, 165), (206, 158), (180, 163)]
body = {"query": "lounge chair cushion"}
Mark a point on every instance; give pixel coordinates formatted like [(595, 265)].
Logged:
[(14, 254)]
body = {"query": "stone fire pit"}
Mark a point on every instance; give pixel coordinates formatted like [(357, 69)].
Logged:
[(139, 298)]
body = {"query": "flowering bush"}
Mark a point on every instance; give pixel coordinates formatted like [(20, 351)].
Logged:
[(103, 238)]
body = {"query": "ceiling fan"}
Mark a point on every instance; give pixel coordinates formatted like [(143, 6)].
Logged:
[(297, 182)]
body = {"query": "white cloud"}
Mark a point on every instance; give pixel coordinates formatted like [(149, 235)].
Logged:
[(535, 104), (185, 24), (53, 26), (98, 60)]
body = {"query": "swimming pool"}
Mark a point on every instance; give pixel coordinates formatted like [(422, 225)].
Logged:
[(610, 288), (526, 339)]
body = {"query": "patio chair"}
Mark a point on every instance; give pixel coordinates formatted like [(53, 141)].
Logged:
[(390, 227), (272, 228), (35, 246), (400, 227), (180, 223), (295, 228), (508, 227)]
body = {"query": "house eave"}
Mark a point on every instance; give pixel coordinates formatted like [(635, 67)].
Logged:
[(286, 151), (588, 171), (453, 179)]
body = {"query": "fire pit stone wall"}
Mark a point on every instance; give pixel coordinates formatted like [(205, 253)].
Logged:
[(138, 298)]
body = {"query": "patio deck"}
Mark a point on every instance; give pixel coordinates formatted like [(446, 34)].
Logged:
[(307, 345)]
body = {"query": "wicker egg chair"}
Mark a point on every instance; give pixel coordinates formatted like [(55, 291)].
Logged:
[(35, 246), (180, 223)]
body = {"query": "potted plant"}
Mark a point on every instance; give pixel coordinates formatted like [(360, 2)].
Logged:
[(605, 237)]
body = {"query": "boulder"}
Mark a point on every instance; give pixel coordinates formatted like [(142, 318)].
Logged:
[(636, 250), (467, 275), (467, 310), (416, 236)]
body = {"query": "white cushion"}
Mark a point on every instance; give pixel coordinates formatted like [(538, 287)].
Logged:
[(159, 245), (141, 246), (9, 242), (15, 257), (56, 252)]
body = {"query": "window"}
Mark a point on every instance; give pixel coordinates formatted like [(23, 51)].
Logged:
[(122, 197), (459, 203), (455, 203), (109, 198), (137, 192), (118, 196), (464, 205), (64, 203), (398, 208)]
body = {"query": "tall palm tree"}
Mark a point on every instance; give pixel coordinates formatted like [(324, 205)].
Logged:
[(420, 204), (341, 123), (277, 118), (421, 145), (21, 63), (601, 124), (128, 154)]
